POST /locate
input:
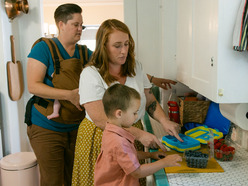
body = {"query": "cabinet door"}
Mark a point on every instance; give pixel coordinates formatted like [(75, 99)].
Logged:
[(232, 72), (149, 36), (143, 19), (205, 44), (205, 58), (184, 41)]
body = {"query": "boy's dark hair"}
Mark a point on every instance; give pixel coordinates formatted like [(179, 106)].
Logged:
[(64, 12), (118, 96)]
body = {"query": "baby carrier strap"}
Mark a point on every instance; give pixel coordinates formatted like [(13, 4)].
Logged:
[(56, 56), (34, 99), (83, 52)]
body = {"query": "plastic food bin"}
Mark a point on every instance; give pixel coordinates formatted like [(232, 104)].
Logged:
[(189, 143), (19, 169)]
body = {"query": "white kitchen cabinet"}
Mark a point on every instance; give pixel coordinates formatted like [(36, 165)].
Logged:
[(153, 26), (205, 59), (184, 41)]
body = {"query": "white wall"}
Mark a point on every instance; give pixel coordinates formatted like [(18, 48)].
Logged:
[(10, 113), (103, 12), (5, 56), (25, 28)]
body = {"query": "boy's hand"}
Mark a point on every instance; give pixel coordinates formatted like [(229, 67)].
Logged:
[(158, 155), (172, 160)]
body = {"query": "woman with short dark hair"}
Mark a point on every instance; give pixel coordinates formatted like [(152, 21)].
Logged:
[(53, 140)]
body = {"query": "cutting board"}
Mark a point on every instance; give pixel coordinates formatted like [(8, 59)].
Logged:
[(15, 75), (15, 80), (213, 165)]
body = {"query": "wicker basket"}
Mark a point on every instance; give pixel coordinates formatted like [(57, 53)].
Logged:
[(193, 111)]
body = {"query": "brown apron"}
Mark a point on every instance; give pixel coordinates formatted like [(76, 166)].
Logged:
[(66, 76)]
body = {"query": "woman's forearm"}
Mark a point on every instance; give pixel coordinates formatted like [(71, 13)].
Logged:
[(36, 72), (135, 131), (154, 109), (45, 91), (96, 112), (156, 112)]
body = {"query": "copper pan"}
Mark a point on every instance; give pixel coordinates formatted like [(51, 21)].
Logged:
[(14, 7)]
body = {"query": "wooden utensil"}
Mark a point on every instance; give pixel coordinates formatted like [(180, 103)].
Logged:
[(15, 75)]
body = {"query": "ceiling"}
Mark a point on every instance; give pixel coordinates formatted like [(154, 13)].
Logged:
[(84, 2)]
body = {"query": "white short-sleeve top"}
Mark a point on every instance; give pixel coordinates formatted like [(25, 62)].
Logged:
[(92, 86)]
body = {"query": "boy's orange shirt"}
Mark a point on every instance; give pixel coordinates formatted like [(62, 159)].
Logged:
[(118, 158)]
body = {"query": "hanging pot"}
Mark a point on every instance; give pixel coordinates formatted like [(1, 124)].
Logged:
[(14, 7)]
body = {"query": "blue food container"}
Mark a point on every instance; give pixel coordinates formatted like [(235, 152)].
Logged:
[(187, 144), (202, 134)]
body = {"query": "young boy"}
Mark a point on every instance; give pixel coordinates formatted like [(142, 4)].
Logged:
[(118, 162)]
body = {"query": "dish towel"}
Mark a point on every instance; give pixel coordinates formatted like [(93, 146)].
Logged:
[(240, 29)]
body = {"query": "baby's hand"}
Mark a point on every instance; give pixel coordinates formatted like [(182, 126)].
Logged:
[(158, 155), (172, 160)]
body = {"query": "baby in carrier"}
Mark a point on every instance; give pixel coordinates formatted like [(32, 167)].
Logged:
[(56, 107)]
